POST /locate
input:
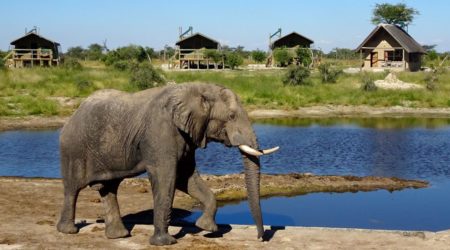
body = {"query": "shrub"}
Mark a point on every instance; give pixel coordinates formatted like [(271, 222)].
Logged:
[(368, 82), (213, 55), (328, 73), (83, 84), (72, 63), (304, 56), (145, 76), (297, 75), (431, 80), (259, 56), (233, 60), (282, 57)]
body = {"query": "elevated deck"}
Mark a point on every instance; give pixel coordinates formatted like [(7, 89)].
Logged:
[(19, 58)]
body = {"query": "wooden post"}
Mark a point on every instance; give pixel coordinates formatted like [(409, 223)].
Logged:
[(361, 58), (404, 61)]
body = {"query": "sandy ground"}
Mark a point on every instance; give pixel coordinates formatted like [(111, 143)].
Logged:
[(39, 122), (392, 82), (30, 208)]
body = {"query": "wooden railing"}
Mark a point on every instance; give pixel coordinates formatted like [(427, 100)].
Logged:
[(32, 54), (191, 54)]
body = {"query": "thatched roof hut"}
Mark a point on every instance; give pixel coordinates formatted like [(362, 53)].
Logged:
[(198, 41), (34, 49), (291, 40), (389, 46)]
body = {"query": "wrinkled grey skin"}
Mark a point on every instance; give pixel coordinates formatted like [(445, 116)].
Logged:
[(114, 135)]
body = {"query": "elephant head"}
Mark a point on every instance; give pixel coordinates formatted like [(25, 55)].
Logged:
[(207, 112)]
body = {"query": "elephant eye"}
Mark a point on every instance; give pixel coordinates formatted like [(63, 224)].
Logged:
[(232, 116)]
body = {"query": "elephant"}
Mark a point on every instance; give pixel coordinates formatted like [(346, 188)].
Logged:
[(115, 135)]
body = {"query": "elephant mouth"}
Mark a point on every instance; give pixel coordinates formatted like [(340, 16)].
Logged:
[(257, 152)]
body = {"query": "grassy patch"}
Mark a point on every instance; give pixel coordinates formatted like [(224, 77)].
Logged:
[(32, 91)]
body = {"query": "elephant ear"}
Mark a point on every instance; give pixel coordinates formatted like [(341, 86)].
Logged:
[(190, 113)]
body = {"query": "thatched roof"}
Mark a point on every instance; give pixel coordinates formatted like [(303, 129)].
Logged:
[(198, 41), (291, 40), (32, 35), (399, 35)]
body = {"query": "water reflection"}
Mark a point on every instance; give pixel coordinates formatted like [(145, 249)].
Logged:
[(407, 148), (375, 123)]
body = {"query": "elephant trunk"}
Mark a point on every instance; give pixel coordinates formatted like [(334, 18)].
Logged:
[(252, 178)]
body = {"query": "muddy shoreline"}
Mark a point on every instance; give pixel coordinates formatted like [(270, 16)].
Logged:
[(329, 111), (30, 209)]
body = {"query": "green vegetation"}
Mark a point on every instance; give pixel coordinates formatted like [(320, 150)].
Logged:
[(259, 56), (329, 73), (282, 57), (297, 75), (368, 82), (233, 60), (44, 91), (399, 14), (145, 76), (304, 56)]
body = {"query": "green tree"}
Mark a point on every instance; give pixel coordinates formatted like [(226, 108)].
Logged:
[(144, 76), (304, 56), (94, 52), (233, 60), (399, 14), (214, 55), (282, 57), (76, 52), (259, 56)]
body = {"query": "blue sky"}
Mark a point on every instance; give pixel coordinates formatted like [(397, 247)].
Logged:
[(330, 23)]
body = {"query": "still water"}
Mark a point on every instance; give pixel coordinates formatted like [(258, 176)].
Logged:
[(405, 148)]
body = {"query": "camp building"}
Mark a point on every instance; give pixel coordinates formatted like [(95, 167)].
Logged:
[(292, 42), (33, 49), (389, 46), (191, 52)]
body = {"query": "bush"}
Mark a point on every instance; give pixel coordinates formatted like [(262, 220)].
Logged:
[(282, 57), (297, 75), (431, 80), (233, 60), (213, 55), (328, 73), (368, 82), (304, 56), (83, 84), (72, 63), (145, 76), (259, 56)]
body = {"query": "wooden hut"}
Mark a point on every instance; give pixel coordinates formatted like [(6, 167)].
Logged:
[(292, 42), (33, 49), (389, 46), (190, 52)]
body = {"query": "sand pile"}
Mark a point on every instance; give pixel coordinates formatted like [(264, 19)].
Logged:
[(392, 82)]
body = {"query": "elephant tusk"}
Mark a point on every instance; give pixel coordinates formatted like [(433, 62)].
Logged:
[(270, 150), (251, 151)]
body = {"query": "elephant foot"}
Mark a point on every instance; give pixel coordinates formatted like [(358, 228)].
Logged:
[(162, 240), (116, 231), (206, 223), (67, 227)]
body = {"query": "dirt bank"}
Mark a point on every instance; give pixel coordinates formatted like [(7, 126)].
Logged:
[(30, 207), (38, 122)]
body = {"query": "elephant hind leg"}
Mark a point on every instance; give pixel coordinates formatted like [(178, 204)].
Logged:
[(198, 189), (113, 222), (66, 222)]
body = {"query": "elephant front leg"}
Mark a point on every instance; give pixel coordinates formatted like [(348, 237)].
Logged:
[(198, 189), (113, 221), (163, 188)]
